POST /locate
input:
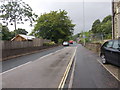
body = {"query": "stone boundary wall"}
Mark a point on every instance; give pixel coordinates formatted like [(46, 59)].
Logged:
[(93, 46)]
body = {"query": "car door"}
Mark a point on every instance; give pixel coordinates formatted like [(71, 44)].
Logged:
[(115, 52), (119, 52), (107, 51)]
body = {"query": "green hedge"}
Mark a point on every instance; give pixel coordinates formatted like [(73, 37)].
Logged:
[(48, 43)]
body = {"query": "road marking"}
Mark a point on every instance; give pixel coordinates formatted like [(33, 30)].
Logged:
[(108, 70), (15, 68), (31, 61), (65, 75), (72, 74)]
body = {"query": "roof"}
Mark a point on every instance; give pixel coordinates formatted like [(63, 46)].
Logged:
[(25, 37)]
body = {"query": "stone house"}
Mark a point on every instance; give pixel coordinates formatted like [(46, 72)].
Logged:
[(116, 19)]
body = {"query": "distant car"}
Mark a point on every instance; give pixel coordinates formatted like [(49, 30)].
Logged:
[(65, 43), (110, 52), (71, 41)]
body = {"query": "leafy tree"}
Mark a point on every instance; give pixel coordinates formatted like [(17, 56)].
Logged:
[(95, 26), (74, 37), (16, 11), (104, 28), (5, 33), (55, 26), (20, 31), (107, 18)]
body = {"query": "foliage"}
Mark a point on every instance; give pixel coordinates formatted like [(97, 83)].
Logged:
[(48, 43), (54, 26), (20, 31), (74, 37), (60, 41), (95, 26), (16, 11), (86, 36), (5, 33), (104, 28)]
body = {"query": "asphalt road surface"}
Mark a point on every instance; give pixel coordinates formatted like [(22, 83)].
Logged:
[(44, 72), (11, 63), (89, 73)]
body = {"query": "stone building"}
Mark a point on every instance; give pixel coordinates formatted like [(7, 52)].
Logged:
[(116, 19)]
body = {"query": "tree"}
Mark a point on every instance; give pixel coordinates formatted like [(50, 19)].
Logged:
[(54, 26), (20, 31), (16, 11), (107, 18), (103, 28), (5, 33), (95, 26)]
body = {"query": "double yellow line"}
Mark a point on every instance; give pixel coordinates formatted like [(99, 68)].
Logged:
[(62, 83)]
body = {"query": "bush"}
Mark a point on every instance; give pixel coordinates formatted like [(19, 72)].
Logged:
[(60, 41), (48, 43)]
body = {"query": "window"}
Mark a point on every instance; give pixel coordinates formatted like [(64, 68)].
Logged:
[(109, 44), (115, 44)]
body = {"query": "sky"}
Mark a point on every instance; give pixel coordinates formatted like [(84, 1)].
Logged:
[(93, 9)]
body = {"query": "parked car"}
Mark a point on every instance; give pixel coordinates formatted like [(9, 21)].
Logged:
[(65, 43), (71, 41), (110, 52)]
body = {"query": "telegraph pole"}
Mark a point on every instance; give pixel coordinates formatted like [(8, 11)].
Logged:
[(84, 21)]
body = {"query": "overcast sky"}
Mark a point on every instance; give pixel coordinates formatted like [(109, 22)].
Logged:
[(93, 9)]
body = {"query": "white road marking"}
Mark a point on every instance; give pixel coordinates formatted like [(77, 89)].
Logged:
[(72, 75), (31, 61), (15, 68), (108, 70), (65, 75)]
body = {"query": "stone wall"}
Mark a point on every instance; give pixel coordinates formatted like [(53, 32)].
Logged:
[(93, 46)]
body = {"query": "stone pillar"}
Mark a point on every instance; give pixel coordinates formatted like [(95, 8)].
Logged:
[(119, 21)]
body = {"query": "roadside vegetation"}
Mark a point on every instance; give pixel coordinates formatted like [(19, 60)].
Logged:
[(49, 43), (101, 30), (55, 26)]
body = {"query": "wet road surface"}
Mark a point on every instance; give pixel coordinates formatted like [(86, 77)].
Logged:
[(11, 63), (43, 72), (89, 73)]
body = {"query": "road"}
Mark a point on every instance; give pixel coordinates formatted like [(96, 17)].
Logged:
[(44, 72), (11, 63), (46, 69), (89, 73)]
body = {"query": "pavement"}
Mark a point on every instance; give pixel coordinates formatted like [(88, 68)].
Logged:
[(44, 72)]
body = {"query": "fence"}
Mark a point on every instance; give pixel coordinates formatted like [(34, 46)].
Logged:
[(22, 44), (13, 48)]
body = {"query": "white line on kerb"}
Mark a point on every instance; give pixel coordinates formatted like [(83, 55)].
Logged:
[(30, 61), (108, 70)]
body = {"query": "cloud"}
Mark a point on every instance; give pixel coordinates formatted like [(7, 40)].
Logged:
[(93, 9)]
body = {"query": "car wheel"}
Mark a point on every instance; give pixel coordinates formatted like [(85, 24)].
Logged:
[(104, 61)]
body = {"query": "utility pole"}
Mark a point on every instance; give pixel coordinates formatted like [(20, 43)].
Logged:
[(113, 16), (84, 21)]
